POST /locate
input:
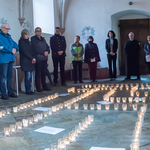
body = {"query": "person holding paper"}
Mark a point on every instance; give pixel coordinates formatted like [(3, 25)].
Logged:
[(7, 57), (147, 52), (91, 57), (132, 50), (111, 48), (27, 59), (77, 51)]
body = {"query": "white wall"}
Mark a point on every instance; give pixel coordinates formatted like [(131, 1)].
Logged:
[(98, 14)]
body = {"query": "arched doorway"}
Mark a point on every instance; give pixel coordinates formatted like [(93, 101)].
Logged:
[(130, 15)]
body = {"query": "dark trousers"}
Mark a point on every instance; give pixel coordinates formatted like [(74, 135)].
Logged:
[(6, 73), (40, 75), (148, 63), (112, 61), (92, 70), (28, 80), (49, 76), (61, 61), (77, 65)]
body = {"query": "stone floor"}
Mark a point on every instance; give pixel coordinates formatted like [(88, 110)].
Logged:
[(110, 128)]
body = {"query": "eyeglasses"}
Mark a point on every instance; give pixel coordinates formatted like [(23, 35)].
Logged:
[(37, 31), (7, 28)]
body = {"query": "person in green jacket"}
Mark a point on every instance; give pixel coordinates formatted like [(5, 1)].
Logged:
[(77, 57)]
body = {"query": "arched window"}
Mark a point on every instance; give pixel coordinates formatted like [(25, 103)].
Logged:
[(43, 15)]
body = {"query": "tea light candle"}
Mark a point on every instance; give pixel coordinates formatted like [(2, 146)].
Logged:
[(124, 107), (143, 99), (3, 113), (92, 106), (98, 106), (146, 94), (35, 118), (19, 125), (134, 106), (124, 99), (85, 106), (8, 111), (15, 109), (118, 99), (54, 109), (107, 106), (130, 99), (25, 122), (116, 106), (13, 128), (112, 99), (137, 99), (45, 114), (40, 116), (6, 131), (76, 105), (69, 106), (30, 120)]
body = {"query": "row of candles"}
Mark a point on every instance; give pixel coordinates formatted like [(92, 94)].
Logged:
[(138, 128), (26, 105), (125, 99), (29, 121), (99, 106), (71, 90), (73, 135)]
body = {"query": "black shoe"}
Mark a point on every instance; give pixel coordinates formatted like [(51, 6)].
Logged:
[(81, 82), (39, 90), (4, 97), (13, 95), (111, 79), (127, 78), (75, 82), (94, 81), (30, 93), (64, 84), (138, 78), (114, 79), (46, 89)]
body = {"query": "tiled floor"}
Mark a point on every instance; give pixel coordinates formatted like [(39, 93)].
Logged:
[(110, 128)]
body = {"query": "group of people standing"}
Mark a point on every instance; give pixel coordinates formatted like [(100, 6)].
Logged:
[(34, 57)]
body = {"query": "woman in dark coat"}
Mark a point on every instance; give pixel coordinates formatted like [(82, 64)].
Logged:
[(111, 48), (147, 52), (27, 59), (91, 57)]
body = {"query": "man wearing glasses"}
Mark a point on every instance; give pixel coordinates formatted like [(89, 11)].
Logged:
[(41, 50), (8, 48)]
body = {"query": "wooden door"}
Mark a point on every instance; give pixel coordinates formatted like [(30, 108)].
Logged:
[(140, 28)]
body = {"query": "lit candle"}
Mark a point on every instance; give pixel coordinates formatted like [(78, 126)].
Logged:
[(92, 106), (19, 125), (15, 109), (25, 122), (6, 131), (13, 128), (116, 106)]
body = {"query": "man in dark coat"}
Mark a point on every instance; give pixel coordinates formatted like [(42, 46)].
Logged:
[(58, 47), (41, 50), (132, 49)]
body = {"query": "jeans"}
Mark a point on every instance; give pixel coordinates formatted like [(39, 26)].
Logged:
[(6, 75), (28, 80)]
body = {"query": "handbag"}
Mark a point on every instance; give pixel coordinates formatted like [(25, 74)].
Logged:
[(41, 57)]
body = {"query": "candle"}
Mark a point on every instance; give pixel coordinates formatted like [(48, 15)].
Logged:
[(98, 106), (137, 99), (116, 106), (8, 111), (130, 99), (25, 122), (134, 106), (124, 107), (30, 120), (19, 125), (107, 106), (40, 116), (12, 128), (92, 106), (124, 99), (6, 131), (3, 113), (35, 118), (15, 109), (146, 94), (118, 99), (112, 99), (76, 105)]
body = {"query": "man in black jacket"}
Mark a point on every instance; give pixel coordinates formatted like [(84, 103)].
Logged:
[(58, 47), (41, 50)]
